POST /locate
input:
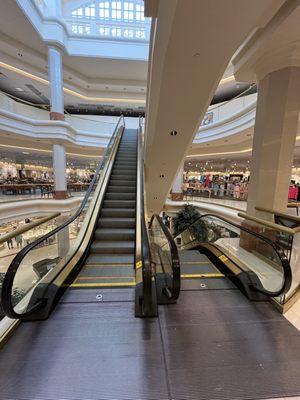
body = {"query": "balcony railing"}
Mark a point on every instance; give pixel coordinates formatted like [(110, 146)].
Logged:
[(109, 29)]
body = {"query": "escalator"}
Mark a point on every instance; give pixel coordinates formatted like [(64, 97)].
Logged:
[(97, 248), (111, 259), (214, 252)]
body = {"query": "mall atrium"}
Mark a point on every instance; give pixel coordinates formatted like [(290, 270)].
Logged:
[(149, 199)]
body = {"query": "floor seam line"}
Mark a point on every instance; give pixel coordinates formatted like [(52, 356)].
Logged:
[(165, 361), (96, 302)]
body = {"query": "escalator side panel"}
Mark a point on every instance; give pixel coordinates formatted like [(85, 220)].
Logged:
[(244, 281)]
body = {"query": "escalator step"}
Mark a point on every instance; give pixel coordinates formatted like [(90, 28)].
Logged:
[(122, 182), (119, 204), (116, 223), (119, 177), (120, 196), (112, 247), (109, 259), (120, 189), (114, 234), (118, 212)]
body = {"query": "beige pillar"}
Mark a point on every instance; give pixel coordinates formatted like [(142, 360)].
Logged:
[(275, 133), (177, 194)]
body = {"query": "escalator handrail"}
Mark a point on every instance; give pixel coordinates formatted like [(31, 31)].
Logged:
[(6, 292), (174, 255), (287, 271), (143, 254)]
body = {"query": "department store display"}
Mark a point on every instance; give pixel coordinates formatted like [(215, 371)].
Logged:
[(19, 179), (231, 185)]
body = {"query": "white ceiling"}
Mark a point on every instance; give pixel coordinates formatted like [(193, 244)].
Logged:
[(14, 24), (22, 47), (108, 68)]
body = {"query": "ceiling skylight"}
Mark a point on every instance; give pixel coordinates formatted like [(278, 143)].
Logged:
[(111, 19)]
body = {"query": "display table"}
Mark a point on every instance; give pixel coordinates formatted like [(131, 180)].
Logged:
[(23, 188)]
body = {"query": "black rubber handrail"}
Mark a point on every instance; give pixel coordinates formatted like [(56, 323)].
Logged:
[(7, 286), (174, 256), (287, 271), (143, 254)]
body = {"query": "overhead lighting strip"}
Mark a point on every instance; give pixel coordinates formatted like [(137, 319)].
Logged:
[(47, 151), (81, 96), (220, 154), (225, 152), (69, 91)]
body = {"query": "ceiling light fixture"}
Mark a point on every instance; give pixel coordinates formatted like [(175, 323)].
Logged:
[(69, 91), (220, 154), (47, 151), (226, 152)]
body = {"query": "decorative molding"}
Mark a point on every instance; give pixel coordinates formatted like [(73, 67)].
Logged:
[(233, 124), (17, 210), (55, 116), (50, 130)]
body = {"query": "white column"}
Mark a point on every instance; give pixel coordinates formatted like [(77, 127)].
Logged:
[(177, 194), (56, 83), (275, 133), (59, 171), (57, 113)]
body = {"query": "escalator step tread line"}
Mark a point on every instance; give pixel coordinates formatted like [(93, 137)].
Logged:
[(111, 259), (198, 272)]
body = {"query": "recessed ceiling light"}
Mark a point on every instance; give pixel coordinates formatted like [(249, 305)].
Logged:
[(173, 133), (25, 152), (19, 89)]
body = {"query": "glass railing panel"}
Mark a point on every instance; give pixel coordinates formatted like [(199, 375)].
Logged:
[(30, 271), (160, 248), (164, 254), (250, 251), (295, 266)]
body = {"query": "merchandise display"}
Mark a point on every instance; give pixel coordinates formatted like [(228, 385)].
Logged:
[(233, 186), (19, 179)]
